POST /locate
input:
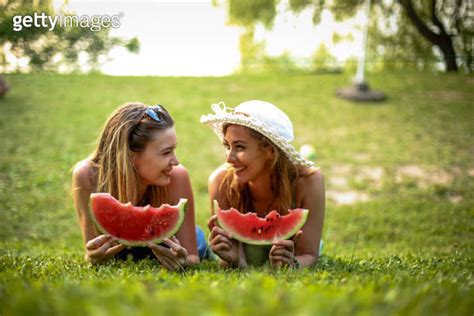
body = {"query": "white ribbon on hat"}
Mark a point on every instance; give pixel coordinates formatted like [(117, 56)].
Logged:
[(221, 109)]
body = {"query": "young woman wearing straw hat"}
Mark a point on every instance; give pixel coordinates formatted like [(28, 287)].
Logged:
[(264, 172), (135, 162)]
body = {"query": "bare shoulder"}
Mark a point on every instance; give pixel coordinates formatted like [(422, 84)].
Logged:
[(179, 173), (218, 175), (179, 178), (83, 175), (214, 187), (180, 184), (311, 179)]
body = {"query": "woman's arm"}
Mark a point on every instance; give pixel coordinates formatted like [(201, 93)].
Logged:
[(303, 249), (312, 192), (180, 187), (98, 247), (81, 190), (229, 250), (213, 185)]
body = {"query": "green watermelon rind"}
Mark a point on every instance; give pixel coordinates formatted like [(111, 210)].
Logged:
[(182, 210), (261, 242)]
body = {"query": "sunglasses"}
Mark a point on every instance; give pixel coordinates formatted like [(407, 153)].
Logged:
[(153, 111)]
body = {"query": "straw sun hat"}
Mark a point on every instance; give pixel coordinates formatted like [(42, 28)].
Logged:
[(261, 116)]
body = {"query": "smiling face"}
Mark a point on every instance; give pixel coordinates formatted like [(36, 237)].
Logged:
[(246, 154), (155, 163)]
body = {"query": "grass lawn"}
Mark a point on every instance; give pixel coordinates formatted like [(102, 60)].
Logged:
[(399, 226)]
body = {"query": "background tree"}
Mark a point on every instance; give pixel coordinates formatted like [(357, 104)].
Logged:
[(60, 48), (398, 24)]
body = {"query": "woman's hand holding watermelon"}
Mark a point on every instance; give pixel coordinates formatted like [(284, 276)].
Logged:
[(282, 253), (102, 248), (172, 258), (223, 245)]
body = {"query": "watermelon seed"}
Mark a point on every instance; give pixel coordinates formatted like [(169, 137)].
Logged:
[(259, 231)]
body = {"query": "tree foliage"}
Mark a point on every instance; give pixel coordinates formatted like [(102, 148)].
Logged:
[(402, 32), (59, 48), (247, 12)]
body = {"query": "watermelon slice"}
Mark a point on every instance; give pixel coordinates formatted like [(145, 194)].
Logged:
[(251, 229), (133, 225)]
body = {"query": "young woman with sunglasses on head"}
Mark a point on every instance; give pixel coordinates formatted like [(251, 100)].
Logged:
[(135, 162), (263, 172)]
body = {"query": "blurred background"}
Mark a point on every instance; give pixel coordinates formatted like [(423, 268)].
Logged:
[(215, 38)]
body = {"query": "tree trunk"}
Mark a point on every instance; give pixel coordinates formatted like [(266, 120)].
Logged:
[(449, 55), (3, 87), (442, 40)]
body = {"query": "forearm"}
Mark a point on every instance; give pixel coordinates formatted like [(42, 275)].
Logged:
[(304, 261), (242, 259), (192, 260), (240, 262)]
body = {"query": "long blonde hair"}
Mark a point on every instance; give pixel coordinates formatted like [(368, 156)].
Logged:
[(283, 180), (127, 131)]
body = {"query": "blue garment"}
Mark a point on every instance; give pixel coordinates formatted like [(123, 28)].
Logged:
[(203, 249)]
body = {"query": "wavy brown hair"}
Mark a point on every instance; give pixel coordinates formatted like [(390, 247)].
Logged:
[(283, 180), (127, 131)]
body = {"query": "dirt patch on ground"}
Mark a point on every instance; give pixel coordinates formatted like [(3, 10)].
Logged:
[(344, 179), (347, 197), (455, 199), (338, 182), (361, 157), (422, 176), (446, 95), (372, 175), (470, 172), (340, 132), (341, 170), (339, 186)]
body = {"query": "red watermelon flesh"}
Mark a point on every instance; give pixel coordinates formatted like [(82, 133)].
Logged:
[(251, 229), (133, 225)]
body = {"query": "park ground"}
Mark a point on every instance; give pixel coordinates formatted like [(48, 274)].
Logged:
[(399, 225)]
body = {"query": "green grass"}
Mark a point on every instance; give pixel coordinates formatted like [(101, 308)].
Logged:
[(407, 250)]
